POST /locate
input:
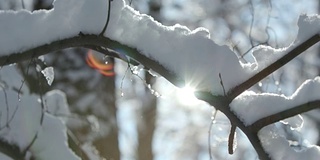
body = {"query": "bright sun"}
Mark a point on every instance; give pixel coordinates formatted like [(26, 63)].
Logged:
[(186, 96)]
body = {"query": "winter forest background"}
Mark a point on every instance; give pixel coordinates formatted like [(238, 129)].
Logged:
[(58, 107)]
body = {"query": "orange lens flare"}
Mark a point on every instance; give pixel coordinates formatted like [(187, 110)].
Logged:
[(104, 69)]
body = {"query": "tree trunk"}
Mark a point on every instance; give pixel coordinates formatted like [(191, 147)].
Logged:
[(146, 125)]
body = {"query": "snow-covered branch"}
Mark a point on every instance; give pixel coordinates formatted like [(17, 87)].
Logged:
[(274, 66), (256, 126), (95, 42), (194, 59)]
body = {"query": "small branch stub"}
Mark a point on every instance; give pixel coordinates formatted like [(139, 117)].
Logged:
[(231, 139)]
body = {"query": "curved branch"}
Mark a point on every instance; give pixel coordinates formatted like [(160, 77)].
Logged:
[(221, 103), (101, 43), (284, 114), (92, 40), (274, 66)]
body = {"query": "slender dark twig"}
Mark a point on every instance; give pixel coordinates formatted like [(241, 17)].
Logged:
[(221, 82), (108, 18), (23, 5), (24, 152), (41, 98), (7, 105)]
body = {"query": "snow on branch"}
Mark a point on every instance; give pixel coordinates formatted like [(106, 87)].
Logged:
[(269, 59), (127, 26), (194, 56), (251, 106)]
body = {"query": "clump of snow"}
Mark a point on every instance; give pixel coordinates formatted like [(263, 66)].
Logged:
[(265, 55), (276, 144), (309, 25), (23, 29), (48, 73), (56, 103), (251, 106), (51, 143), (295, 122)]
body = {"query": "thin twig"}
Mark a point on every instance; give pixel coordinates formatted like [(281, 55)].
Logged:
[(209, 134), (41, 99), (22, 4), (24, 152), (221, 82), (23, 81), (7, 106), (108, 18), (11, 118)]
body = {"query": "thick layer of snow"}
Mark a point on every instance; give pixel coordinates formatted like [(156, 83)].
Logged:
[(251, 106), (24, 29), (308, 25), (193, 56)]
